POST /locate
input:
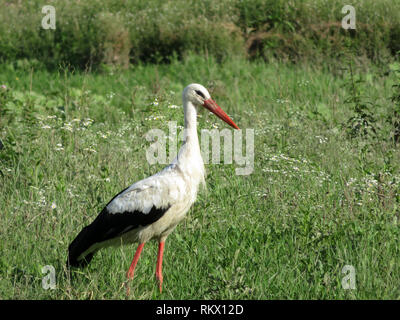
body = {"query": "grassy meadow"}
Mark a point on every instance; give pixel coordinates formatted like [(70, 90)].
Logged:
[(323, 193), (77, 101)]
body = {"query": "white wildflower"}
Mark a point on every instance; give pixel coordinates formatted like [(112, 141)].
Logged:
[(87, 122), (59, 147), (155, 102), (110, 95), (90, 149), (67, 126)]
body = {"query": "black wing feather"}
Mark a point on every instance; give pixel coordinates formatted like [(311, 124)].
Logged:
[(108, 226)]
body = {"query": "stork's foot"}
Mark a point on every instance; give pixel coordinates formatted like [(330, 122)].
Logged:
[(128, 289), (159, 265), (129, 274), (160, 281)]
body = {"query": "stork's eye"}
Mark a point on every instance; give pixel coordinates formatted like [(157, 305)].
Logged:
[(200, 93)]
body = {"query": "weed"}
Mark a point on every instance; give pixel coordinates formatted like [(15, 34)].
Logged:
[(394, 117), (363, 122)]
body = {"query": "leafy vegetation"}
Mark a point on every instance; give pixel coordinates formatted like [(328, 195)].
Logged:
[(91, 33), (394, 117), (317, 200)]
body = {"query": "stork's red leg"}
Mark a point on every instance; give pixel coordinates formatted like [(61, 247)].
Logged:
[(131, 270), (159, 264)]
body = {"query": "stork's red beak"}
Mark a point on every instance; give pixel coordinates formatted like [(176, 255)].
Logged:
[(211, 105)]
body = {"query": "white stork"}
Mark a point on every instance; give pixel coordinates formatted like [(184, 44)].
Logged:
[(152, 208)]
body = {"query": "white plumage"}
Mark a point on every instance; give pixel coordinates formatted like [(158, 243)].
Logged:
[(152, 208)]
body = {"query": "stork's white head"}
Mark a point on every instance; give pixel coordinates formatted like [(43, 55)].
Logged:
[(196, 94), (199, 96)]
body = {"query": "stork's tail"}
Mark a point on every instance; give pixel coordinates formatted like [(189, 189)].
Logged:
[(78, 253)]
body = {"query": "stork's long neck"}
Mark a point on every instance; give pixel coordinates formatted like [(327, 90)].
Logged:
[(189, 156), (190, 148)]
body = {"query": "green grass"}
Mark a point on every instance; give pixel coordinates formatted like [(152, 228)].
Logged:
[(315, 202)]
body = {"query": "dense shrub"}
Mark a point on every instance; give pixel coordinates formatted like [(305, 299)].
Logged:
[(89, 33)]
